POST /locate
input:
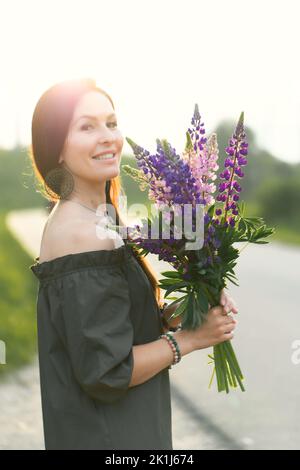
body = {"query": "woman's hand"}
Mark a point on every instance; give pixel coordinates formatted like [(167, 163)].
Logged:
[(217, 328), (228, 303)]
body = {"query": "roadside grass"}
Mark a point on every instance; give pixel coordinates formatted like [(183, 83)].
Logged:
[(17, 303)]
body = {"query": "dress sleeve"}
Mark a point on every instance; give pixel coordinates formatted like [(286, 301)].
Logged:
[(95, 306)]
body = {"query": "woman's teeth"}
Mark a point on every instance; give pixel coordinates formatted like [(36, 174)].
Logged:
[(108, 156)]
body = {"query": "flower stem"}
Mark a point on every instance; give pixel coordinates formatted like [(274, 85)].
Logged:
[(233, 368), (229, 347)]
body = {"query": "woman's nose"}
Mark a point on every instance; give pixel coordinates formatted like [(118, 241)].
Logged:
[(106, 136)]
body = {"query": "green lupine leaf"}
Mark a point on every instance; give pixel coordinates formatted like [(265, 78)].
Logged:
[(211, 210), (242, 225), (241, 208), (176, 301), (188, 318), (231, 280), (202, 300), (180, 309), (171, 274), (172, 289), (168, 282)]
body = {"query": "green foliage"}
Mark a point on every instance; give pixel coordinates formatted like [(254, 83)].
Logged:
[(252, 230), (280, 201), (137, 175), (17, 303), (270, 188), (131, 188), (262, 166), (18, 189)]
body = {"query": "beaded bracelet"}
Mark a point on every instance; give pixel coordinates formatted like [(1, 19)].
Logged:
[(174, 346)]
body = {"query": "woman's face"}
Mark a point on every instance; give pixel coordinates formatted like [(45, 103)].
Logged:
[(89, 136)]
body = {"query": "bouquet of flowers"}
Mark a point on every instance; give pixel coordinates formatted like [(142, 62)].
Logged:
[(202, 252)]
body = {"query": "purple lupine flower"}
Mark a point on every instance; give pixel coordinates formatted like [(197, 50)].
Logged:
[(176, 180), (207, 218), (236, 150), (198, 129), (202, 158), (170, 178), (176, 187), (217, 243)]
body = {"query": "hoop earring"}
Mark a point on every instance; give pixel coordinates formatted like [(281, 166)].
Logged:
[(59, 182)]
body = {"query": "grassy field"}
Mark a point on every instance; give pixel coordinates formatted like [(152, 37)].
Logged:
[(17, 302), (17, 187), (283, 232), (17, 286)]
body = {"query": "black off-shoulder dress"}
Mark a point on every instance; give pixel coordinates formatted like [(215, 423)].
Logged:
[(92, 308)]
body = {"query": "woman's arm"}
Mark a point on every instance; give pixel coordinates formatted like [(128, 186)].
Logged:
[(149, 359)]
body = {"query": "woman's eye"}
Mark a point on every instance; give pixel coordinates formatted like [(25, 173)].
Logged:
[(85, 126)]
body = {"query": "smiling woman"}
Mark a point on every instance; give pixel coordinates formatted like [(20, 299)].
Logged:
[(103, 369), (89, 136), (63, 148)]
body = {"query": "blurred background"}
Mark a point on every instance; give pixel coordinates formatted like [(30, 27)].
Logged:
[(156, 60)]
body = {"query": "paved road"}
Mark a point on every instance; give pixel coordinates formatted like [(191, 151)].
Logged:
[(266, 416)]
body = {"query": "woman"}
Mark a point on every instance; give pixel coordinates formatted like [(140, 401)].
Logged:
[(104, 370)]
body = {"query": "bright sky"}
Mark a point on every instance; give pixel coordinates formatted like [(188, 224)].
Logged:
[(157, 59)]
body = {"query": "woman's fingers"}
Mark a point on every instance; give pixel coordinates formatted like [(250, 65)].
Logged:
[(231, 307), (223, 298), (228, 303), (230, 320)]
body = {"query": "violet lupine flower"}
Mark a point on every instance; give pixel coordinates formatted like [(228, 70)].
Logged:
[(229, 189), (164, 248), (170, 179), (202, 158), (211, 242), (171, 183)]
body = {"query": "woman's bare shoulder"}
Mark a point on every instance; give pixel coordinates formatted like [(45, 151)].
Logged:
[(71, 236)]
